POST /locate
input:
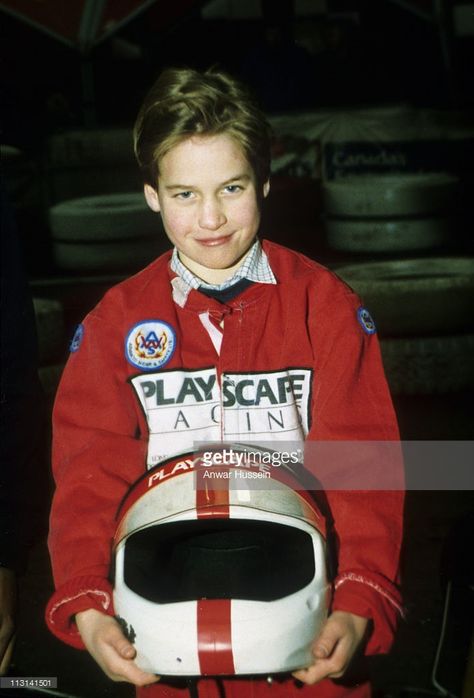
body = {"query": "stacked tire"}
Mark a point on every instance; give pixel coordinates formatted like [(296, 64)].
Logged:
[(90, 162), (105, 233), (390, 213), (423, 308)]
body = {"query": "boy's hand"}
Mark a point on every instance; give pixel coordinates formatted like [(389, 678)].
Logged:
[(334, 648), (104, 639)]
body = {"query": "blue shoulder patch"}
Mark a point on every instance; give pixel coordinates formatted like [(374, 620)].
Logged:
[(366, 321), (77, 339)]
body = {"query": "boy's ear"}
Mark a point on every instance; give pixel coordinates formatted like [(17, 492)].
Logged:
[(151, 196), (266, 188)]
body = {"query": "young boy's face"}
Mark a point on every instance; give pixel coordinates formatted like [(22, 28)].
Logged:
[(207, 195)]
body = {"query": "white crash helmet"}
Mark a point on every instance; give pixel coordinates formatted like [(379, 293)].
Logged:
[(219, 575)]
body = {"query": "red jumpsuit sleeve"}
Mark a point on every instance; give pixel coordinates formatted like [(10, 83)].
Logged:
[(97, 454), (352, 403)]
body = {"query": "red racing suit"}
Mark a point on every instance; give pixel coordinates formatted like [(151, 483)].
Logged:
[(144, 382)]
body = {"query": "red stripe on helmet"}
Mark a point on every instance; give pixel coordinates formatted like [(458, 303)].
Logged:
[(214, 637), (212, 495)]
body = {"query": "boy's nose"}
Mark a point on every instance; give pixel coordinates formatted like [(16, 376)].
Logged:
[(211, 215)]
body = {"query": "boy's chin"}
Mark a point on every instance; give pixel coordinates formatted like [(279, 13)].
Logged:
[(216, 263)]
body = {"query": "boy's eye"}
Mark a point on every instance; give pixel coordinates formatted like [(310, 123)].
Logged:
[(232, 188), (184, 195)]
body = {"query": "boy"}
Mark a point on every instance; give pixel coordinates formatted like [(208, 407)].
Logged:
[(220, 307)]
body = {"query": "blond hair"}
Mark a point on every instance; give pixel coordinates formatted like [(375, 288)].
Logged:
[(184, 102)]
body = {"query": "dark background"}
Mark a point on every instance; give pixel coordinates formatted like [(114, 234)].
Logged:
[(336, 55)]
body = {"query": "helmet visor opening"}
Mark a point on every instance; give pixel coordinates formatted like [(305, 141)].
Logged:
[(218, 559)]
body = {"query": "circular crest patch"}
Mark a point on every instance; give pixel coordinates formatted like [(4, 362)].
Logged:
[(366, 321), (77, 339), (150, 344)]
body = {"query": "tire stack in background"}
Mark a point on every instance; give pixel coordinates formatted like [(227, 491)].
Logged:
[(390, 213), (99, 231), (105, 233), (396, 145), (326, 144), (98, 219), (396, 217), (425, 320), (402, 229), (89, 162)]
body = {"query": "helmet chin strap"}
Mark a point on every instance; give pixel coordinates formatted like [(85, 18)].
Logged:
[(192, 687)]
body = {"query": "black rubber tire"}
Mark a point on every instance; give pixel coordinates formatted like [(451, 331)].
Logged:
[(429, 365), (433, 295), (108, 217), (115, 256), (386, 235), (91, 147), (390, 194)]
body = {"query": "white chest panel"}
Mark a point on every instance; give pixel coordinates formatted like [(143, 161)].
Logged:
[(185, 407)]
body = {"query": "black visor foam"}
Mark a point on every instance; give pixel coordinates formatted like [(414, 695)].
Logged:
[(218, 559)]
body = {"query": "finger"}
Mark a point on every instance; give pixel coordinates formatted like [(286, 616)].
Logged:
[(331, 668), (117, 640), (315, 673), (120, 669), (340, 659), (120, 654), (329, 650), (110, 648), (130, 672), (327, 640)]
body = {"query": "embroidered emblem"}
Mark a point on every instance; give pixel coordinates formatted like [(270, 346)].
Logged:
[(150, 344), (366, 321), (77, 339)]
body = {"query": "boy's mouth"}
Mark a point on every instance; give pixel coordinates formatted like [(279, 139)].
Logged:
[(214, 241)]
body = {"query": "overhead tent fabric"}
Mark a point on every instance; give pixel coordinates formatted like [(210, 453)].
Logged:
[(83, 24)]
